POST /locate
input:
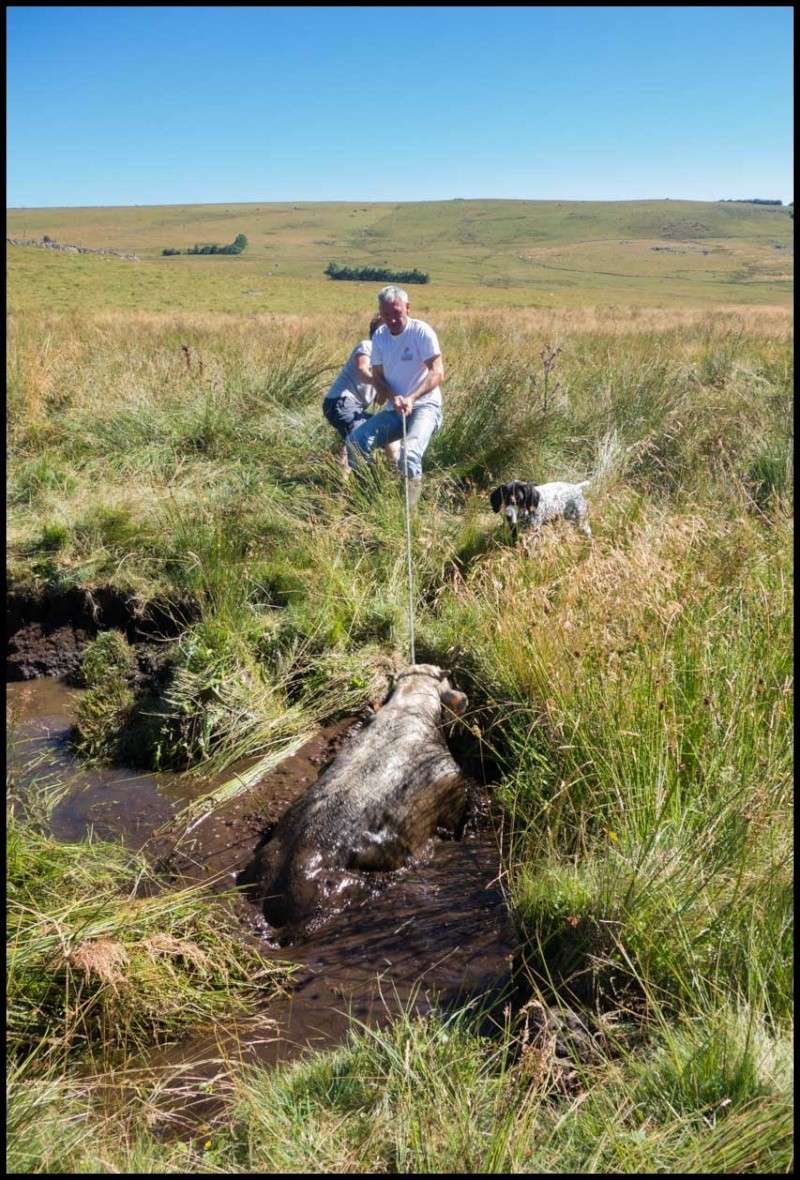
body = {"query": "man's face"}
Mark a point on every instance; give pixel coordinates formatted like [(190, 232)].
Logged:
[(394, 314)]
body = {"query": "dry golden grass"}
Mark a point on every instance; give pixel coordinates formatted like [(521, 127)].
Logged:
[(103, 958), (616, 320)]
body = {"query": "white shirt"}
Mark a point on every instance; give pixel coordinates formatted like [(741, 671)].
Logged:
[(403, 359)]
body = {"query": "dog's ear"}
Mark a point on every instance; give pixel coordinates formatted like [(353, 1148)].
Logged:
[(531, 497), (496, 499), (456, 702)]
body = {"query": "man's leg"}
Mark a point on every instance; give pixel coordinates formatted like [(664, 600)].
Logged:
[(378, 431), (421, 426)]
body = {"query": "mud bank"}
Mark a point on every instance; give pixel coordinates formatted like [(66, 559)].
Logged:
[(431, 937), (431, 933), (47, 630)]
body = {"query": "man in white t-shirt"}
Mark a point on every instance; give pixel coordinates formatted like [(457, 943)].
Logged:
[(407, 372)]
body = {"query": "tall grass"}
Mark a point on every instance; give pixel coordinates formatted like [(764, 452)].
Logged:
[(95, 965), (634, 693), (647, 722), (432, 1096)]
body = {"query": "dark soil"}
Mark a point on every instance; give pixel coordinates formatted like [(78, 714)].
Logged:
[(48, 629)]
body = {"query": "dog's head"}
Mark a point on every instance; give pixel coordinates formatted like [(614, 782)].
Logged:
[(518, 499)]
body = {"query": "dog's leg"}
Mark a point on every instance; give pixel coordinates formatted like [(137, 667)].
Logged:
[(582, 522)]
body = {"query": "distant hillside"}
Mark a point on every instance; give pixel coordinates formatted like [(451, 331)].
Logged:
[(556, 251)]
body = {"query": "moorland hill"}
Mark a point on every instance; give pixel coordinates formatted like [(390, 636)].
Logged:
[(494, 252)]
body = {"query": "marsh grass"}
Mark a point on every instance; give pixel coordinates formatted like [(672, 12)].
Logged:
[(633, 696), (94, 966), (101, 961), (646, 730), (430, 1095)]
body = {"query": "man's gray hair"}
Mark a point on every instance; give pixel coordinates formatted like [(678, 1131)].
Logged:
[(389, 294)]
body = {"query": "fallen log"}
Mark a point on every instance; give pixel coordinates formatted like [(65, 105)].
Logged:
[(373, 810)]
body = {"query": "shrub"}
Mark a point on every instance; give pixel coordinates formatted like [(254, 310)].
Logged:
[(375, 274), (235, 247)]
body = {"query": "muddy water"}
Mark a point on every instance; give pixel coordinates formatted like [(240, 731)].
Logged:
[(434, 934), (113, 803)]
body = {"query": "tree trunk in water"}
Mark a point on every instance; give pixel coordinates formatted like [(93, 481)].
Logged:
[(372, 810)]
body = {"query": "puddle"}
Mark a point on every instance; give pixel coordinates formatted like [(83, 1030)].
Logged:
[(113, 803), (436, 934)]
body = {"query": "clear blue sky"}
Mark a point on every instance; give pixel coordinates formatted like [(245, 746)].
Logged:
[(163, 105)]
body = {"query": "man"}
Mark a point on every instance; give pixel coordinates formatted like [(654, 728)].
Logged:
[(407, 372)]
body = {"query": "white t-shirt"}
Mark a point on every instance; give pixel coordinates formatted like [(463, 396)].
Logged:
[(403, 359)]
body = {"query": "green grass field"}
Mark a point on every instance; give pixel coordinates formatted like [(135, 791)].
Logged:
[(634, 692), (478, 253)]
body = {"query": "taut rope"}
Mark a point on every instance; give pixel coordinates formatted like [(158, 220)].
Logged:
[(408, 547)]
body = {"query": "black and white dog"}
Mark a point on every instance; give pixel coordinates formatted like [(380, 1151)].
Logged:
[(528, 505)]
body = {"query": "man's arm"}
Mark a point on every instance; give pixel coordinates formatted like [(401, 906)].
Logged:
[(433, 377), (382, 390)]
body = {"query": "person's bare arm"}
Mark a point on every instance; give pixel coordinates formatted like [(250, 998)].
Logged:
[(433, 377), (364, 370), (382, 390)]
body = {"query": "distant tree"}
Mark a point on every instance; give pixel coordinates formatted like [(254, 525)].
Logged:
[(236, 246), (374, 274)]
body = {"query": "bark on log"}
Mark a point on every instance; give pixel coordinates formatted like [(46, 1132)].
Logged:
[(373, 809)]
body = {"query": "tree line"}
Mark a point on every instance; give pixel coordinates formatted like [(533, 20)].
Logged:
[(236, 246), (375, 274)]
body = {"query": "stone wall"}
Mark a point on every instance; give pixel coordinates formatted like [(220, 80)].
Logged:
[(46, 243)]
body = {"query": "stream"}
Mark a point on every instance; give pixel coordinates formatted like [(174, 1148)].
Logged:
[(434, 936)]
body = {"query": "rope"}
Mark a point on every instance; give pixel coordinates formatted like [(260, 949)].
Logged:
[(408, 547)]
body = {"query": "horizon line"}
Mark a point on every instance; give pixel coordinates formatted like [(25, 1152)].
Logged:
[(424, 201)]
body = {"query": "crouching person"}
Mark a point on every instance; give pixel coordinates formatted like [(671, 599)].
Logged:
[(352, 393), (407, 372), (346, 402)]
